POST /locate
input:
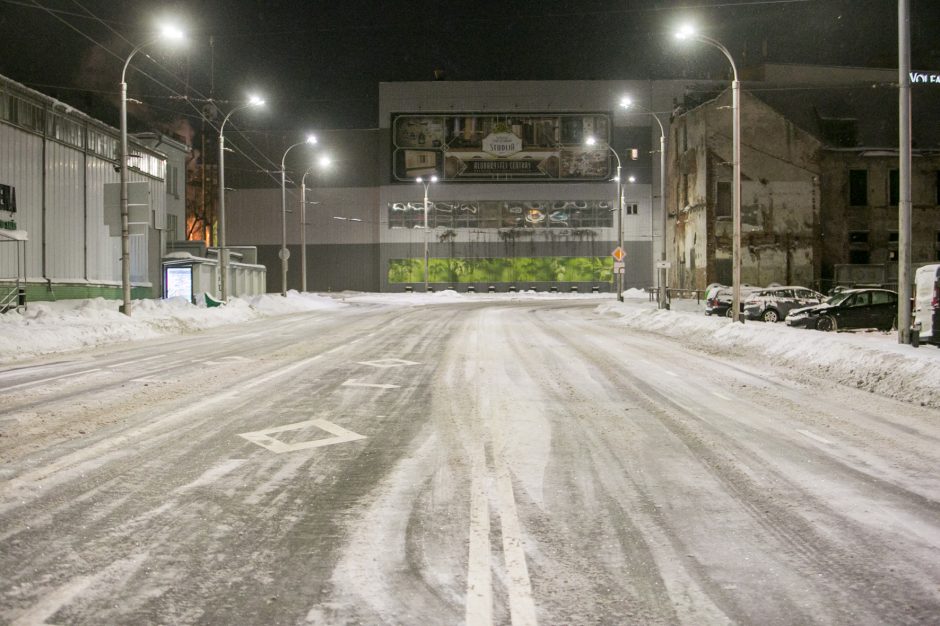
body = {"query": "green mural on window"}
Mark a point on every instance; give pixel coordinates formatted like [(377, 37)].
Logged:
[(503, 270)]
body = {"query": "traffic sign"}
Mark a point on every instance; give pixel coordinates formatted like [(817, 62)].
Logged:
[(618, 254)]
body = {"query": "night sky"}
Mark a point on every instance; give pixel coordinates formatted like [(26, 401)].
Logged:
[(319, 62)]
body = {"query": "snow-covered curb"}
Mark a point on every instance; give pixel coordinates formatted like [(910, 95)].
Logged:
[(49, 327), (873, 361)]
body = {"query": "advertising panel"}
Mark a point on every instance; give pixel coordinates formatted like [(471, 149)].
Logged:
[(501, 146)]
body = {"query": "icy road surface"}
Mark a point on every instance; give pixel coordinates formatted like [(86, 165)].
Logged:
[(490, 463)]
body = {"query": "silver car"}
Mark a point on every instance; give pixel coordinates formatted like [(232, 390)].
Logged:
[(773, 304)]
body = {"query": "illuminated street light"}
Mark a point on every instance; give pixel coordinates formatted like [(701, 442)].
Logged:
[(253, 101), (284, 254), (687, 32), (627, 103), (591, 141), (323, 162), (426, 184), (167, 33)]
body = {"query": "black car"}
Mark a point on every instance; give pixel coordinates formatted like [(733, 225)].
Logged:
[(855, 308)]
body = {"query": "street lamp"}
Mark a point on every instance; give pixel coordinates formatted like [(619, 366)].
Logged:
[(627, 103), (253, 101), (169, 33), (591, 141), (322, 162), (284, 254), (688, 32), (426, 184)]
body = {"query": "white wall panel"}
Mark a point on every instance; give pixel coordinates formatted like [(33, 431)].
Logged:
[(65, 219), (102, 259)]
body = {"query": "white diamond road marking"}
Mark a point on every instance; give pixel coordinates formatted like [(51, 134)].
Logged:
[(388, 363), (264, 439)]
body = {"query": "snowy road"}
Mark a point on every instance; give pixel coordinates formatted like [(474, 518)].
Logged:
[(490, 463)]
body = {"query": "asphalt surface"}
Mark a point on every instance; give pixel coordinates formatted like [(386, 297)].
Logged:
[(491, 463)]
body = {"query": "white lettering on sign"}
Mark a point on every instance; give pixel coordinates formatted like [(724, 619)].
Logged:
[(920, 77)]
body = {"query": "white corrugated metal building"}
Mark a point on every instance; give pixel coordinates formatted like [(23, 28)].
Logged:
[(55, 163)]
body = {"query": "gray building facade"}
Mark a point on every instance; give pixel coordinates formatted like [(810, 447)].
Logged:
[(520, 201)]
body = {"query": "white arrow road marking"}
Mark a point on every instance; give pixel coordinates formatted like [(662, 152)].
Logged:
[(352, 382), (264, 439), (388, 363)]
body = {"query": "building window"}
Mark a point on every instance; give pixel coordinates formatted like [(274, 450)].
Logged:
[(723, 199), (858, 187), (630, 209), (894, 188), (859, 252)]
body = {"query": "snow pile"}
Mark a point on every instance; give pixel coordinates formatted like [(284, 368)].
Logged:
[(873, 360), (47, 327)]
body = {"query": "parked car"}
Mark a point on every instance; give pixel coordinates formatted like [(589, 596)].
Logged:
[(719, 300), (926, 318), (773, 304), (852, 309)]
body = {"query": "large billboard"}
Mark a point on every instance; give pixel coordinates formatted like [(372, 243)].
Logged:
[(473, 147)]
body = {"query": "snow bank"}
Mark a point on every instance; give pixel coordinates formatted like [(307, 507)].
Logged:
[(867, 360), (47, 327)]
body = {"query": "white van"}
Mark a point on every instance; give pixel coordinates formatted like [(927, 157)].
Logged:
[(926, 305)]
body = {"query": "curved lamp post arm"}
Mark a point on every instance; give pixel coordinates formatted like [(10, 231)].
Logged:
[(724, 51)]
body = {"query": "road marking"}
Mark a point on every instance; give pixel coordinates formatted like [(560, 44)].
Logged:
[(94, 451), (135, 361), (671, 373), (521, 604), (718, 395), (46, 380), (384, 363), (814, 436), (263, 437), (352, 382), (479, 610)]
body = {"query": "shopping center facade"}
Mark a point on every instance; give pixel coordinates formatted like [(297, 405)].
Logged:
[(520, 201)]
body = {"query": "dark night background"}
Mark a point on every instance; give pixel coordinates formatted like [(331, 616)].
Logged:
[(319, 62)]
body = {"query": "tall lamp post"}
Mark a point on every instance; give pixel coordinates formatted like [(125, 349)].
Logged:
[(166, 33), (426, 184), (323, 162), (628, 103), (253, 101), (689, 33), (283, 253), (591, 141)]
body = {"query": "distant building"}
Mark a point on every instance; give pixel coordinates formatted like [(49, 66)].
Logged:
[(819, 184), (521, 200)]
